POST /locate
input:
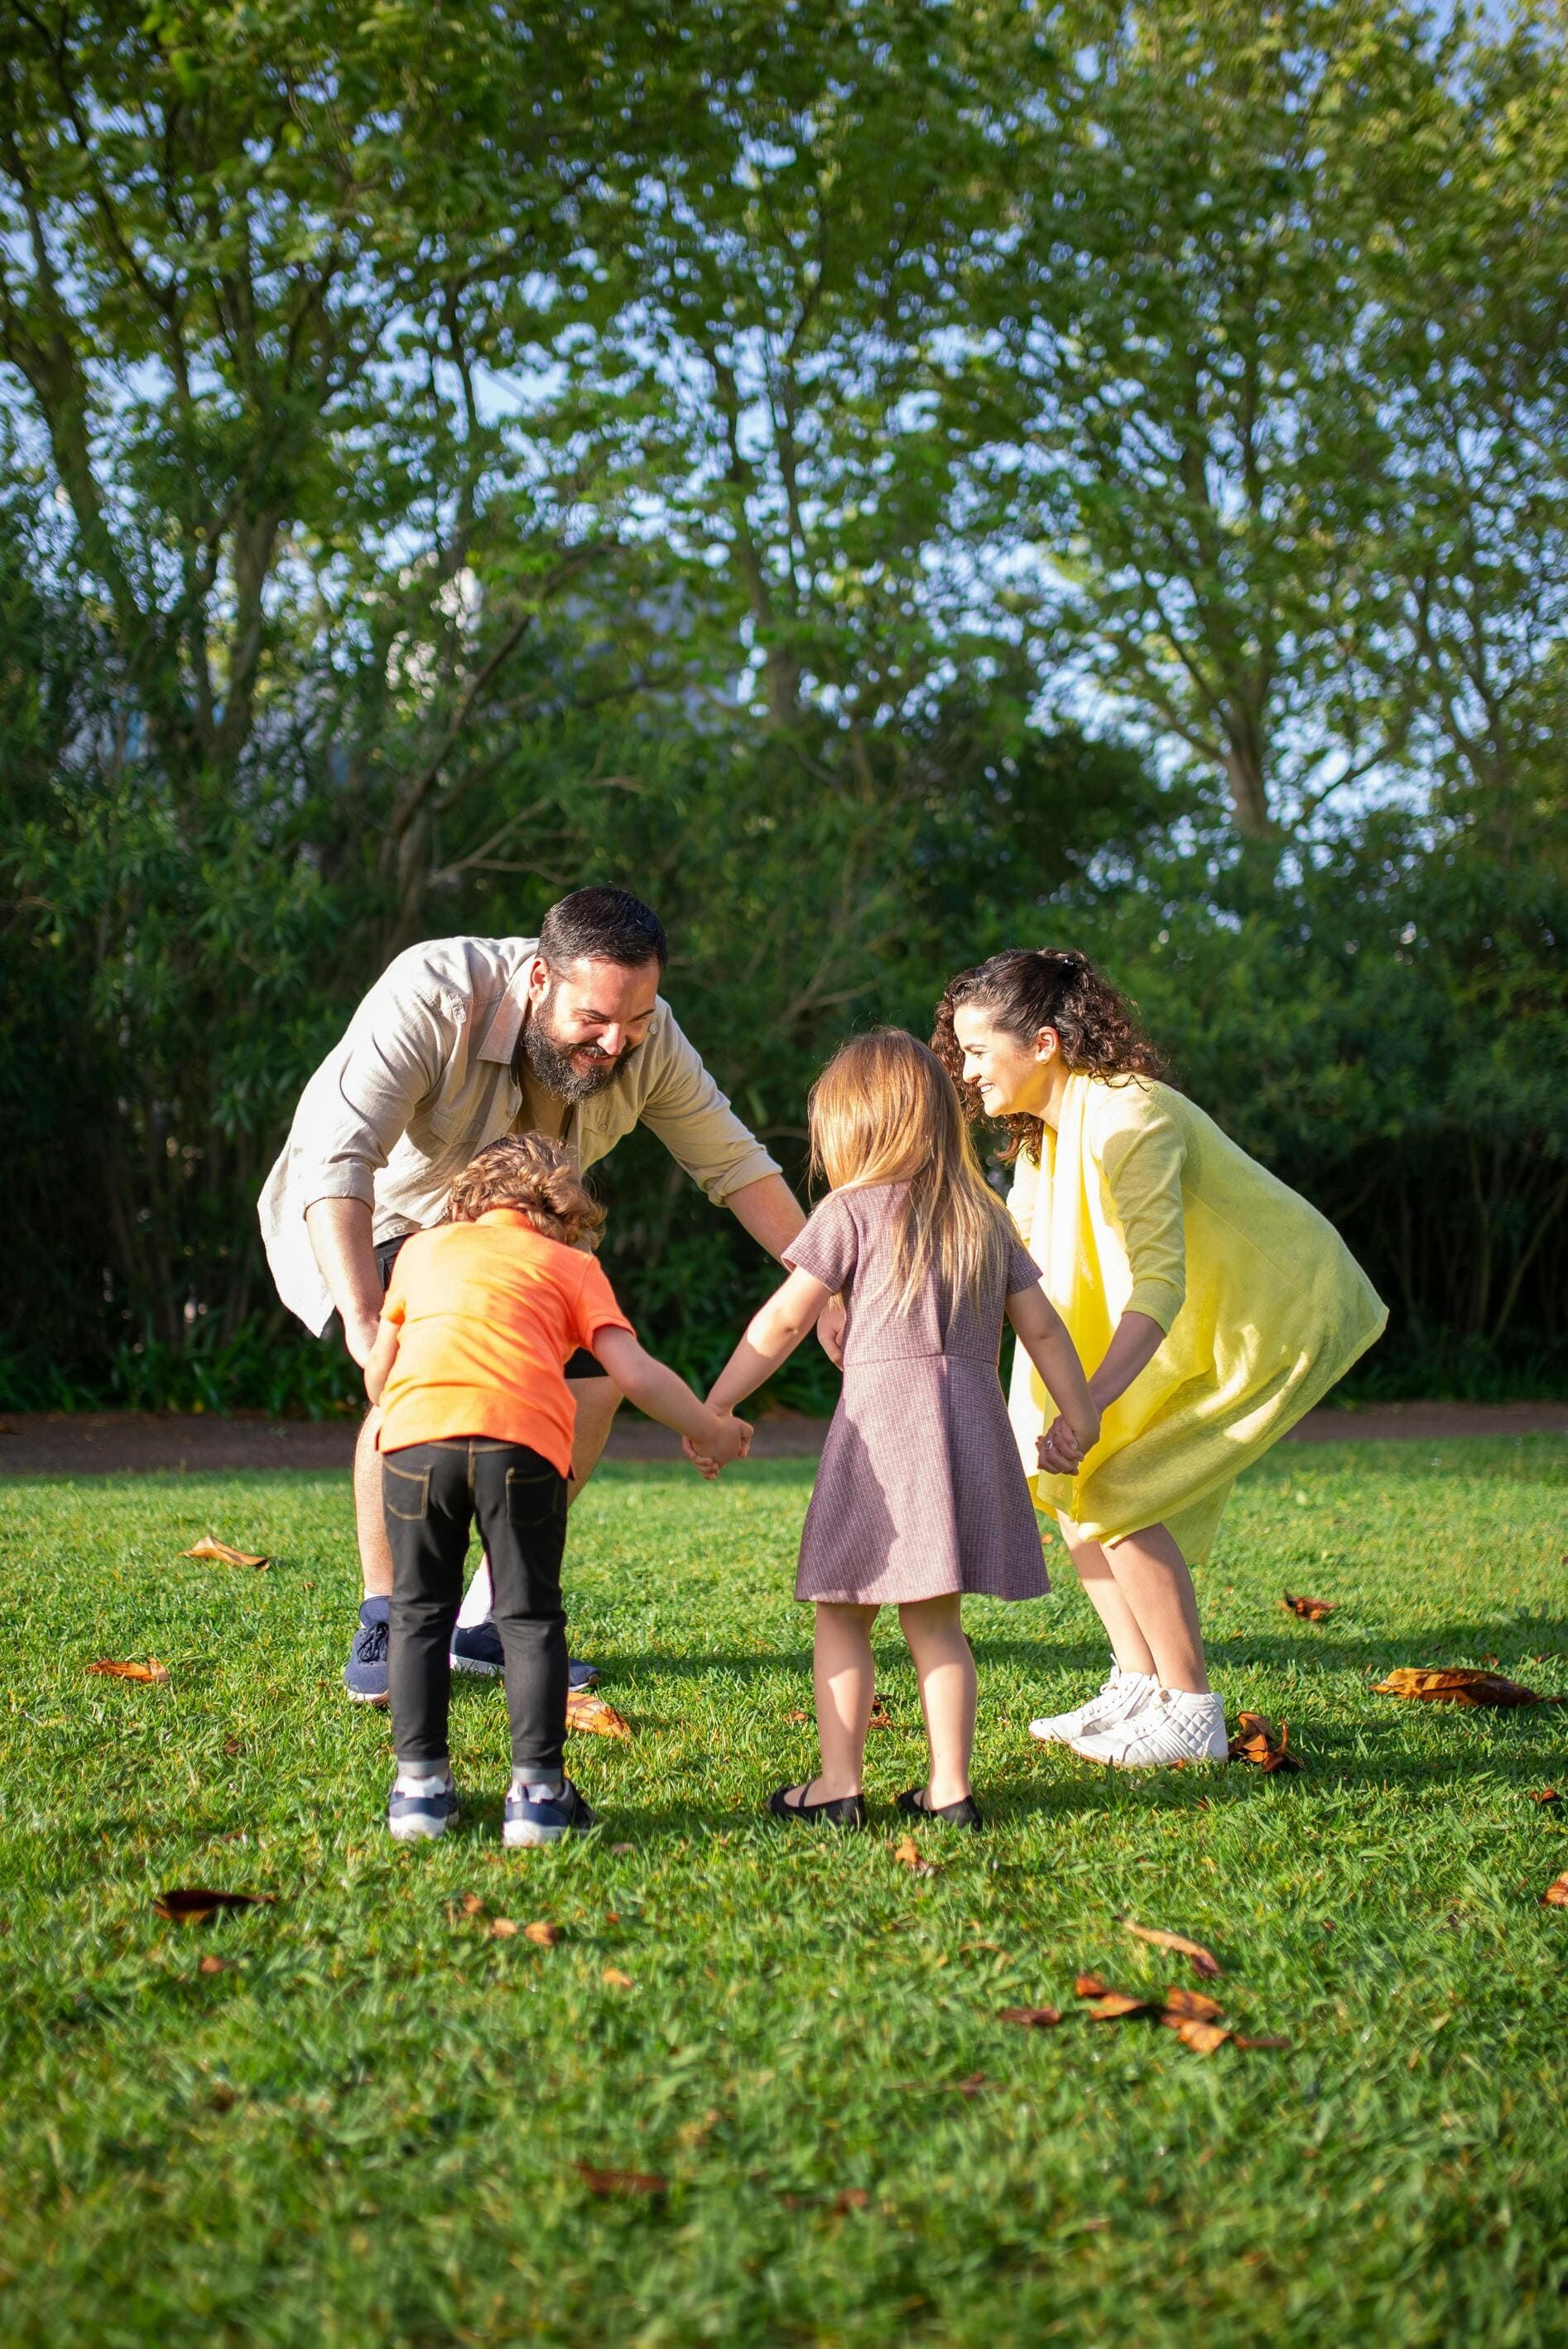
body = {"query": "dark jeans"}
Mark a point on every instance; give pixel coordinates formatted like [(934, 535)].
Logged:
[(431, 1493)]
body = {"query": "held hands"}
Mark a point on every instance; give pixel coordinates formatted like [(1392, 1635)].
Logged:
[(1060, 1452), (731, 1440)]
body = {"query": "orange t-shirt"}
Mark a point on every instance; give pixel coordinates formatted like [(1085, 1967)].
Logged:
[(490, 1312)]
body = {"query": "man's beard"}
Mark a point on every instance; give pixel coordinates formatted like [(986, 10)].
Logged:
[(551, 1062)]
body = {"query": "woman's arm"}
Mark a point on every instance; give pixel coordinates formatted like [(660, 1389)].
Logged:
[(654, 1387), (772, 1337), (1135, 1341), (378, 1361), (1043, 1335)]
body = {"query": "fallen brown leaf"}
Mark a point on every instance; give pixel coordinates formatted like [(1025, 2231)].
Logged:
[(503, 1929), (587, 1711), (231, 1746), (472, 1905), (1204, 1960), (1116, 2005), (1556, 1893), (880, 1718), (1246, 2039), (1191, 2006), (545, 1936), (1311, 1610), (797, 1713), (974, 2086), (906, 1851), (1547, 1795), (620, 2181), (208, 1547), (616, 1977), (1256, 1739), (1031, 2018), (1464, 1684), (211, 1965), (1202, 2037), (150, 1671), (1089, 1986), (188, 1904)]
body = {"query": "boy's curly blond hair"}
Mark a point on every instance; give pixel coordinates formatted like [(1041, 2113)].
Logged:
[(535, 1176)]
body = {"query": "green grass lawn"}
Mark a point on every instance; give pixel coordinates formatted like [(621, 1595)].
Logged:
[(366, 2128)]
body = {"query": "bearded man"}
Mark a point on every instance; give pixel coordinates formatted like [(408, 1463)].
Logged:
[(461, 1040)]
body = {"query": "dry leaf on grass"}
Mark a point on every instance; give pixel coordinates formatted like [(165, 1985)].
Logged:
[(1311, 1610), (1464, 1684), (906, 1851), (1089, 1986), (209, 1547), (542, 1935), (472, 1905), (616, 1977), (1204, 1960), (588, 1711), (150, 1671), (1031, 2018), (1191, 2006), (189, 1904), (797, 1713), (1256, 1739), (880, 1718), (503, 1929), (1556, 1893), (211, 1965), (1202, 2037), (620, 2181), (1546, 1794)]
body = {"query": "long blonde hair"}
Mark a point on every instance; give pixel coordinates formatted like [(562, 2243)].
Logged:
[(884, 1110)]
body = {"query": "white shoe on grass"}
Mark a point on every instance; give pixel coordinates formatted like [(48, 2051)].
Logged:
[(421, 1806), (1174, 1725), (1122, 1695)]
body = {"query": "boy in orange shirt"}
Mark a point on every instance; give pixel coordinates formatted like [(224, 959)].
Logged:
[(481, 1314)]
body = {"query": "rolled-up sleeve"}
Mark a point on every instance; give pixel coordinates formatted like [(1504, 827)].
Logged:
[(360, 1101), (1143, 1171), (693, 1119)]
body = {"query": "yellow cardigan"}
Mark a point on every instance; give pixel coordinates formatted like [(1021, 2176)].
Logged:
[(1140, 1204)]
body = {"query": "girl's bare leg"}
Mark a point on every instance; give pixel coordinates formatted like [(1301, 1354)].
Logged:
[(845, 1679), (1098, 1575), (945, 1668), (1154, 1580)]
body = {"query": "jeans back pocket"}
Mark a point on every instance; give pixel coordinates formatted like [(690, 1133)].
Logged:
[(406, 1491), (534, 1497)]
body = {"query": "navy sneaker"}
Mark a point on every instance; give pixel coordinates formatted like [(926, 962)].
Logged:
[(365, 1673), (418, 1818), (532, 1818), (476, 1647)]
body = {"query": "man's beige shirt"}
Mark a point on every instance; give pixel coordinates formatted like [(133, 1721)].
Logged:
[(423, 1080)]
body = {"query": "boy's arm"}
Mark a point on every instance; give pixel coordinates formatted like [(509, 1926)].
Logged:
[(772, 1337), (655, 1389), (382, 1355), (1043, 1335)]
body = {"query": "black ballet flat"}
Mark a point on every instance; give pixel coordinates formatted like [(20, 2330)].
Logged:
[(843, 1811), (964, 1813)]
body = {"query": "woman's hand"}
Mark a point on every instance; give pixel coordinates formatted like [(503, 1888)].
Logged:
[(830, 1324), (1060, 1453)]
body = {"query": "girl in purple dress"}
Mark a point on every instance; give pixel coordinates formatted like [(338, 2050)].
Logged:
[(921, 1495)]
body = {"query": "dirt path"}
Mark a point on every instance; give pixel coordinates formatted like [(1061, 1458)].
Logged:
[(104, 1443)]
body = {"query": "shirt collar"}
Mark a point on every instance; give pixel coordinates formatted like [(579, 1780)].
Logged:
[(506, 1022), (512, 1215)]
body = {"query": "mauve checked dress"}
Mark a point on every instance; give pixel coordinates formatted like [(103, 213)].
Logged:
[(921, 1491)]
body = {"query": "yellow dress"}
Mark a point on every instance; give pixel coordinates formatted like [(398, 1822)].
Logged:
[(1141, 1205)]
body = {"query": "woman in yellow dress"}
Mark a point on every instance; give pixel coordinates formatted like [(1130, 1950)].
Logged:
[(1214, 1305)]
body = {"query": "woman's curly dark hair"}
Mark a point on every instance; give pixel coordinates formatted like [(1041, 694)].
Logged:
[(1026, 989)]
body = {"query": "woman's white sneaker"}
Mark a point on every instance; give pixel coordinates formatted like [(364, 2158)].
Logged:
[(1122, 1696), (1174, 1725)]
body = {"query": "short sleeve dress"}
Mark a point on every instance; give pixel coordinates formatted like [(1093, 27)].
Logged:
[(921, 1493)]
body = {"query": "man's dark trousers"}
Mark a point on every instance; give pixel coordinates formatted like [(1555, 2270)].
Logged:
[(432, 1494)]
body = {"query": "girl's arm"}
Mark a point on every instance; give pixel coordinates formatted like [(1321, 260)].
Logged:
[(654, 1387), (772, 1337), (1043, 1335), (382, 1355)]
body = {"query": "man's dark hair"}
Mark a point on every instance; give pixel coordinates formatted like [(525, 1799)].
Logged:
[(602, 926)]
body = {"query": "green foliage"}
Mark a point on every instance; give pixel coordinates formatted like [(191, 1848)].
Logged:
[(449, 458)]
